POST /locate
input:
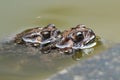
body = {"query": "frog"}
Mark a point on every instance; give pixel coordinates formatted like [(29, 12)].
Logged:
[(49, 37), (77, 38), (30, 36), (38, 36)]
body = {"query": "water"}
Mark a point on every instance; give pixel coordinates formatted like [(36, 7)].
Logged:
[(15, 16), (102, 16), (27, 63)]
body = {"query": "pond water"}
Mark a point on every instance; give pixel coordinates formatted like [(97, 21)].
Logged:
[(18, 62), (15, 16)]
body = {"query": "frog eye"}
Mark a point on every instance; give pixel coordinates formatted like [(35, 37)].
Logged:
[(79, 36)]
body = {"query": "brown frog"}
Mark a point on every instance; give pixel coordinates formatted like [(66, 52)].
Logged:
[(31, 36), (38, 37), (76, 38), (49, 37)]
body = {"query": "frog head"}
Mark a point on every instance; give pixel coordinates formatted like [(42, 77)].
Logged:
[(76, 38)]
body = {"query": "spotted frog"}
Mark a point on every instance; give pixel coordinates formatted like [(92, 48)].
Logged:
[(49, 37), (76, 38), (38, 37)]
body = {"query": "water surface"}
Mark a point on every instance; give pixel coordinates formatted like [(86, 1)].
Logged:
[(102, 16), (21, 63)]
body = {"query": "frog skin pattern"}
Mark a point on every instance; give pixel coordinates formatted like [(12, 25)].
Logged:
[(31, 35), (46, 38), (76, 38), (38, 36)]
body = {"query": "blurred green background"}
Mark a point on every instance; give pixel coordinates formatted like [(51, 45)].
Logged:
[(102, 16)]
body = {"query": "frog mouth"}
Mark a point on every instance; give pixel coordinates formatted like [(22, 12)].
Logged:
[(85, 46), (35, 40), (77, 46)]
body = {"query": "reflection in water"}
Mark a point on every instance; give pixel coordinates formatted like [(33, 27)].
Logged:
[(28, 63)]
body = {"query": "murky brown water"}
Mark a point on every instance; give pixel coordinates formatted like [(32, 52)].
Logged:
[(102, 16)]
